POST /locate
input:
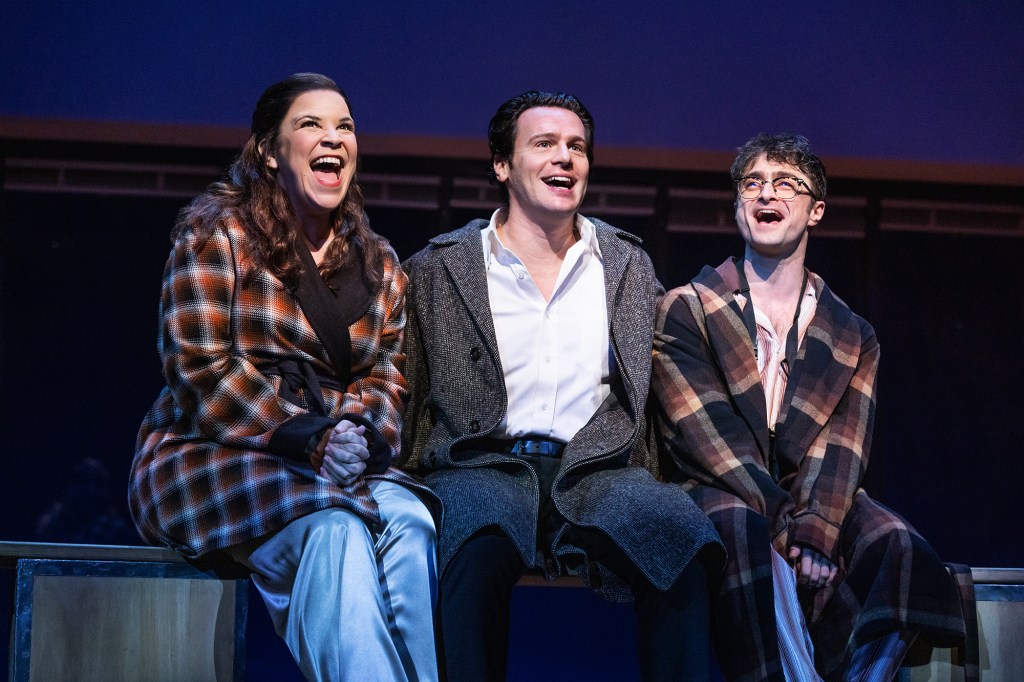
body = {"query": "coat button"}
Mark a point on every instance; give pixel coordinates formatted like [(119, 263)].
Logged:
[(432, 458), (474, 426), (474, 353)]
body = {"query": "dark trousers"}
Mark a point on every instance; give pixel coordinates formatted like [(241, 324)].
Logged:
[(476, 590)]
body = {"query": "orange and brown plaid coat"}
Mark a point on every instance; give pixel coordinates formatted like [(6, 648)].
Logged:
[(218, 456)]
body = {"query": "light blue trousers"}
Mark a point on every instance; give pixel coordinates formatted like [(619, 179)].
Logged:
[(352, 603)]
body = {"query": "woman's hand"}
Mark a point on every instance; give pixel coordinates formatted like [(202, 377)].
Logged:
[(345, 453), (813, 569)]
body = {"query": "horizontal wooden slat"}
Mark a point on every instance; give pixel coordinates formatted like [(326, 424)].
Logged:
[(10, 552), (998, 576)]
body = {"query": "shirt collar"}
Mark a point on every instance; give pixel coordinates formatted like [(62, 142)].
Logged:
[(808, 302), (493, 248)]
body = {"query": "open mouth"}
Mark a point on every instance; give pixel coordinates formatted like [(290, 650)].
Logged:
[(560, 181), (767, 215), (327, 169)]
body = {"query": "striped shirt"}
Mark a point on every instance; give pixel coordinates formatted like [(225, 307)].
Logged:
[(771, 351)]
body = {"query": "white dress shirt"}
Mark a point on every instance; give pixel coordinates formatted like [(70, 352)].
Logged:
[(555, 354)]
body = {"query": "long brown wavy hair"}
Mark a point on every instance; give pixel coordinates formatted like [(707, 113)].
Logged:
[(250, 193)]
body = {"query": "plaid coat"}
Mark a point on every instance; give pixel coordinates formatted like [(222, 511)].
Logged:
[(219, 458), (714, 424), (458, 396)]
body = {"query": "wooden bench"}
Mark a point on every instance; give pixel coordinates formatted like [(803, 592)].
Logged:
[(110, 613), (100, 612)]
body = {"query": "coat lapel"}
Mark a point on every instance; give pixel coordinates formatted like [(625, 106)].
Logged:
[(462, 256), (628, 333), (732, 346), (823, 369)]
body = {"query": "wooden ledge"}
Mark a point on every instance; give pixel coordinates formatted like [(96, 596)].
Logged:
[(997, 576), (10, 552)]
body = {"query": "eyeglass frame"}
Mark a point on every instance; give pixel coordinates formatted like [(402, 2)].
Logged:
[(762, 182)]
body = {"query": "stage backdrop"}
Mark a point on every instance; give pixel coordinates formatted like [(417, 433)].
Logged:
[(937, 81)]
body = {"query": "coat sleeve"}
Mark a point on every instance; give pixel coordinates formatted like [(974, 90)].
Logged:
[(378, 393), (831, 471), (705, 436), (416, 427), (223, 395)]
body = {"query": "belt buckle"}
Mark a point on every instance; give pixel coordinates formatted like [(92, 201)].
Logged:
[(529, 446)]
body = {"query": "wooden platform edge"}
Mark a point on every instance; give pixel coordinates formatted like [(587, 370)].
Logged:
[(10, 552)]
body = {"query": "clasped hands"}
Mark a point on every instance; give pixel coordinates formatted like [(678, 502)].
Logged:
[(813, 569), (341, 454)]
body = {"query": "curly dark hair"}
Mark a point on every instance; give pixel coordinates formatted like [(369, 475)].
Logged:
[(501, 132), (794, 150), (250, 193)]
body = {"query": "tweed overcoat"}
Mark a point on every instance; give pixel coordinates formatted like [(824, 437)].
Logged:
[(459, 396), (219, 457)]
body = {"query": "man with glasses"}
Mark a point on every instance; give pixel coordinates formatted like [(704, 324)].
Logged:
[(529, 355), (766, 385)]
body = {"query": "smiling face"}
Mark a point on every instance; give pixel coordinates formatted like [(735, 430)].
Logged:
[(771, 227), (546, 175), (315, 155)]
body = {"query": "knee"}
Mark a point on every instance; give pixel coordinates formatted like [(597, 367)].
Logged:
[(692, 585), (872, 528), (416, 521), (487, 556), (335, 527), (409, 519), (322, 536)]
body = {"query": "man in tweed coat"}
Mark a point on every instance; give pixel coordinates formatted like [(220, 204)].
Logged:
[(766, 384), (529, 343)]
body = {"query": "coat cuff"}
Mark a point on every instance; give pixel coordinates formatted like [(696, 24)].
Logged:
[(811, 530), (291, 439)]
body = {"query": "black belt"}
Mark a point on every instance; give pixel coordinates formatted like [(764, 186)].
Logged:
[(296, 374), (531, 445)]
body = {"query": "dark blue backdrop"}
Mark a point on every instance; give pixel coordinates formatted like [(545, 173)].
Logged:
[(936, 81)]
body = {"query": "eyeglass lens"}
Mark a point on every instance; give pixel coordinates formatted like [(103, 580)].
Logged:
[(785, 188)]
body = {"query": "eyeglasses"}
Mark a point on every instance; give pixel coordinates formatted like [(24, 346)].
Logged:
[(785, 188)]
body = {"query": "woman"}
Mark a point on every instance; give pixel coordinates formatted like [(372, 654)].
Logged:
[(282, 316)]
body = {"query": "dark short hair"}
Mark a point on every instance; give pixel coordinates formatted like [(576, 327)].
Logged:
[(501, 132), (793, 150)]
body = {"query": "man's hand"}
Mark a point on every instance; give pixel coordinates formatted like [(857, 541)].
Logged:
[(345, 453), (812, 568)]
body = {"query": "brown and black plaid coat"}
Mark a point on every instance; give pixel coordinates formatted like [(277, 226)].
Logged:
[(219, 456), (713, 406), (713, 422)]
